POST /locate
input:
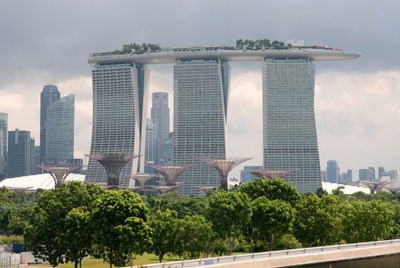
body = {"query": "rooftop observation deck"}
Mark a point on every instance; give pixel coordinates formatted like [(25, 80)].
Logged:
[(224, 53)]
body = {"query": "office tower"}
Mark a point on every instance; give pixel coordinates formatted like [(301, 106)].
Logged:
[(60, 129), (19, 153), (362, 174), (246, 176), (332, 171), (381, 172), (3, 145), (36, 153), (119, 113), (166, 149), (371, 174), (151, 143), (200, 100), (48, 95), (350, 175), (290, 136), (160, 118)]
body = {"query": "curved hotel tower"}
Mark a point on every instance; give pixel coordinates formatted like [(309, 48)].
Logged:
[(201, 83)]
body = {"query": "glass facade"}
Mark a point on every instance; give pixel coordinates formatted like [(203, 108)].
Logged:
[(119, 106), (3, 145), (19, 153), (160, 118), (200, 99), (60, 129), (290, 136), (48, 95)]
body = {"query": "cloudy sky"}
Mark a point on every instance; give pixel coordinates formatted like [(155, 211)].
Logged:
[(357, 102)]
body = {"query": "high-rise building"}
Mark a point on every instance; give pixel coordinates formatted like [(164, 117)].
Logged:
[(201, 77), (332, 171), (246, 176), (151, 136), (290, 136), (19, 153), (60, 129), (350, 175), (119, 116), (371, 172), (160, 118), (200, 100), (3, 145), (381, 172), (48, 95)]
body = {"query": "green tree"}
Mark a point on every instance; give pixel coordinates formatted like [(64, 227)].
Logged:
[(229, 213), (367, 221), (276, 189), (271, 219), (194, 235), (121, 224), (163, 225), (318, 221), (48, 232)]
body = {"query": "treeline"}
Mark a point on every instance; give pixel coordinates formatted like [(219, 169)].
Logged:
[(74, 221), (261, 43)]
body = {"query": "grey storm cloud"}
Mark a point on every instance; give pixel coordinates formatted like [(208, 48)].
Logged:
[(55, 37)]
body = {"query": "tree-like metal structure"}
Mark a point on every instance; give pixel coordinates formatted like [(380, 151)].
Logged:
[(113, 164), (59, 173), (140, 180), (272, 173), (170, 173), (375, 186), (224, 166), (165, 189), (206, 189), (20, 190), (393, 190)]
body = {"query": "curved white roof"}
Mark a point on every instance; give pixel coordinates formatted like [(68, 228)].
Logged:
[(348, 189), (223, 54), (39, 181)]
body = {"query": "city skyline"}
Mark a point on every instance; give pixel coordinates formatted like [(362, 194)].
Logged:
[(356, 104)]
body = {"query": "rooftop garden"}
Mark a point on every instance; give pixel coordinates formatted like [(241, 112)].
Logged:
[(246, 44)]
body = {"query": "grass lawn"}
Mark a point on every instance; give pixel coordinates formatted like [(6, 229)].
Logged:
[(139, 260)]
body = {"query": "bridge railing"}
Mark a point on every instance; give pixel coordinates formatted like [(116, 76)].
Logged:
[(271, 254)]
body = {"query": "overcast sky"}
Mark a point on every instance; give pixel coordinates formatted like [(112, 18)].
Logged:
[(357, 102)]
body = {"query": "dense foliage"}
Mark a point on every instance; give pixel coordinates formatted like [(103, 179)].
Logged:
[(73, 221)]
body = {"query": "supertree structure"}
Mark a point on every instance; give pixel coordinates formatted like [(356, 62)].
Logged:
[(113, 164), (393, 190), (140, 180), (59, 173), (165, 189), (20, 190), (206, 189), (375, 186), (170, 173), (272, 173), (224, 166)]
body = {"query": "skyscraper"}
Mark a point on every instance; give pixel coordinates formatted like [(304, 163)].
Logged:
[(151, 136), (290, 136), (160, 118), (60, 129), (200, 99), (332, 171), (119, 116), (19, 153), (3, 145), (201, 78), (246, 176), (48, 95)]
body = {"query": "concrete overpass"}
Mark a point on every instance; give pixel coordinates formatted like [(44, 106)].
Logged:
[(369, 252)]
